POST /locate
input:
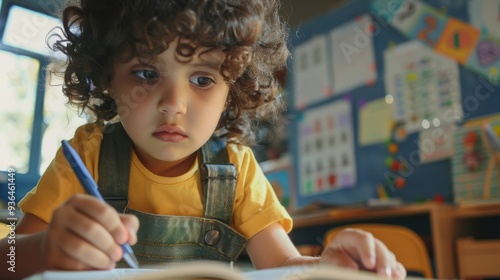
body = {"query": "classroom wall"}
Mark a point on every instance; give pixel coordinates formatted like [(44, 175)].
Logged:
[(425, 181)]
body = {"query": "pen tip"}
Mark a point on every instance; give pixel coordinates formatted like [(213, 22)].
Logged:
[(131, 260)]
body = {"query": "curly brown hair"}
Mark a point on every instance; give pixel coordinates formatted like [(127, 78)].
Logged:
[(250, 33)]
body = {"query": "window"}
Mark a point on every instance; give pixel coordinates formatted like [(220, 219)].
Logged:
[(27, 29), (35, 113), (59, 121), (18, 86)]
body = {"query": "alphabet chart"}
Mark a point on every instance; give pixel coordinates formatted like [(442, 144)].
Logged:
[(326, 149)]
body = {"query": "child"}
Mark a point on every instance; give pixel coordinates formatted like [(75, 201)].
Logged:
[(171, 73)]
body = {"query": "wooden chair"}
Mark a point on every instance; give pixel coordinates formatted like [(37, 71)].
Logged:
[(4, 230), (408, 247)]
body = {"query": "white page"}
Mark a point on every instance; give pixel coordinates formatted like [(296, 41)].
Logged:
[(310, 68), (353, 58), (119, 273), (213, 270)]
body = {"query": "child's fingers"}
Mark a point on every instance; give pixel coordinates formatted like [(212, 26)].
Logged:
[(84, 252), (132, 224), (103, 214), (66, 262), (80, 235), (399, 272), (94, 233), (335, 253), (360, 244), (371, 253), (386, 260), (86, 234), (380, 258)]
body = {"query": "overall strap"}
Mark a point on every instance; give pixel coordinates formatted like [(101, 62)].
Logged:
[(114, 166), (218, 178)]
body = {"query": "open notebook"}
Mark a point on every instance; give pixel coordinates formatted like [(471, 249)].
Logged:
[(213, 270)]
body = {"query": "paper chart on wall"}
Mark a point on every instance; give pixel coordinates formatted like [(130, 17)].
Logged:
[(485, 15), (311, 74), (437, 143), (326, 149), (353, 59), (374, 122), (424, 85)]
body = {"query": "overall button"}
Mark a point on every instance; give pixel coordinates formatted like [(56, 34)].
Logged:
[(212, 237)]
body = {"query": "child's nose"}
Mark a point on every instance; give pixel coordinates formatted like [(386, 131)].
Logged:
[(173, 99)]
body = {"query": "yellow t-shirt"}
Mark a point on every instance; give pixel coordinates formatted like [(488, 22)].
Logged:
[(255, 204)]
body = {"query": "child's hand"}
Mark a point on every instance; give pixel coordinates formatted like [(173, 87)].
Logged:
[(358, 249), (86, 233)]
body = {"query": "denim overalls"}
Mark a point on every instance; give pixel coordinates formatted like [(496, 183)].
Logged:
[(163, 239)]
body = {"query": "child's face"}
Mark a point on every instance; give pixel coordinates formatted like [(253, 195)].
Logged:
[(169, 108)]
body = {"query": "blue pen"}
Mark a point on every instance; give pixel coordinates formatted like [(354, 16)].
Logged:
[(90, 187)]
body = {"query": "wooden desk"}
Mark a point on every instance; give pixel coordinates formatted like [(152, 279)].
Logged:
[(441, 219)]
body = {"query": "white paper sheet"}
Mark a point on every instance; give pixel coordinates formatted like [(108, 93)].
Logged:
[(485, 15), (437, 143), (311, 74), (353, 59)]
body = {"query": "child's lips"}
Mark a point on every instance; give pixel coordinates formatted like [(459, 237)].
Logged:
[(169, 133), (169, 137)]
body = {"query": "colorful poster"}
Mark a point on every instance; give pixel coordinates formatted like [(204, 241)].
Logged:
[(326, 149), (311, 74), (473, 170), (353, 59), (458, 40), (423, 85), (476, 45), (281, 180), (485, 15)]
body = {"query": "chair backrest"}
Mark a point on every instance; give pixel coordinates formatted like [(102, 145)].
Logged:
[(408, 246), (4, 230)]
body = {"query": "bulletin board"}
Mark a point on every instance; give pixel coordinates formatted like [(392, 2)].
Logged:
[(478, 98)]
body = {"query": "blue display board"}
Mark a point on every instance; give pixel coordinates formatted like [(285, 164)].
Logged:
[(422, 181)]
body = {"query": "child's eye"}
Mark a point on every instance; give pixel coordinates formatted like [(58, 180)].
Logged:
[(201, 81), (145, 74)]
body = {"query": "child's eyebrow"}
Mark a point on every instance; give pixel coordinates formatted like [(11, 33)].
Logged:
[(211, 63), (211, 59)]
